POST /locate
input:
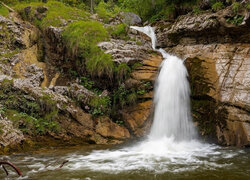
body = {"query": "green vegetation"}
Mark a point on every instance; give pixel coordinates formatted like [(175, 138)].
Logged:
[(107, 10), (248, 6), (3, 10), (236, 20), (218, 6), (81, 38), (235, 7), (118, 31), (100, 105), (122, 71), (57, 15), (31, 116)]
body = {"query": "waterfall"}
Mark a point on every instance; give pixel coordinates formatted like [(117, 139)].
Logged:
[(172, 117), (171, 145)]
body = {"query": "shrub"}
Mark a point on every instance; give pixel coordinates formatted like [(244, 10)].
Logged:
[(218, 6), (236, 7), (119, 31)]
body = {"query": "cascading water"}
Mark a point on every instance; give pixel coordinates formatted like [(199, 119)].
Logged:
[(171, 148), (172, 141), (172, 105)]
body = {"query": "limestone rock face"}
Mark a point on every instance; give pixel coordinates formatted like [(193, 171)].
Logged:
[(217, 55), (228, 73), (10, 136), (205, 28)]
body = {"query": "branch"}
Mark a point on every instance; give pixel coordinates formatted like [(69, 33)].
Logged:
[(7, 173), (64, 162), (11, 165)]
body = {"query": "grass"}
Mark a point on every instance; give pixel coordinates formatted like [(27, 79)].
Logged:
[(122, 72), (81, 38), (58, 13), (3, 11)]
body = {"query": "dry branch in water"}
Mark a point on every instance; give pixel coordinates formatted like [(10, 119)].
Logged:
[(11, 165)]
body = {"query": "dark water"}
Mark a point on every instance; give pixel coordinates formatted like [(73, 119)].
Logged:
[(111, 163)]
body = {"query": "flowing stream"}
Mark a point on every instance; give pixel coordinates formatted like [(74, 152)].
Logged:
[(171, 150)]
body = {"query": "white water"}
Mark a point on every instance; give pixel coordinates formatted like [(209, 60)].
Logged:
[(171, 145), (172, 117)]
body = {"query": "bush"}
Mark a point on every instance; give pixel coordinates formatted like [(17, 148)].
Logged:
[(218, 6), (119, 31), (235, 7)]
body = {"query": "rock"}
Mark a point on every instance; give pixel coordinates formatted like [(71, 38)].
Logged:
[(226, 71), (138, 118), (9, 135), (205, 4), (125, 51), (41, 9), (205, 28), (107, 128), (27, 10), (130, 18), (149, 68), (80, 93)]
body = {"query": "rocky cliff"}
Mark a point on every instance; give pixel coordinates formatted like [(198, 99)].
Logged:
[(43, 103), (217, 54)]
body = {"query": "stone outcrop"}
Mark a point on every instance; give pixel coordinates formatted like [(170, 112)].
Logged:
[(217, 55)]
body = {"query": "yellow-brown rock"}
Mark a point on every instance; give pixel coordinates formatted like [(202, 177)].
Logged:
[(149, 68), (106, 128), (137, 118)]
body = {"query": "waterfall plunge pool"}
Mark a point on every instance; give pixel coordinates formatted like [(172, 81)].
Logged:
[(159, 160)]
